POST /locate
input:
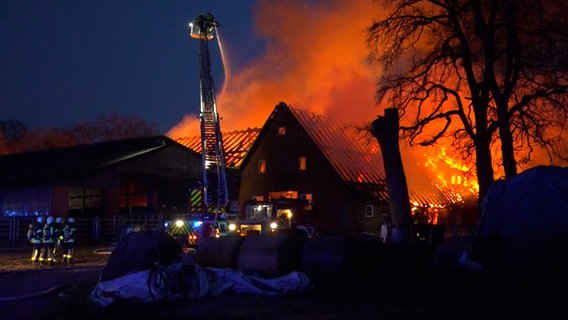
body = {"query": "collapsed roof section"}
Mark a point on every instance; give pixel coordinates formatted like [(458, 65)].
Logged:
[(236, 144)]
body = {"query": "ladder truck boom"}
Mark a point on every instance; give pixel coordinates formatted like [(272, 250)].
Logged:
[(215, 192)]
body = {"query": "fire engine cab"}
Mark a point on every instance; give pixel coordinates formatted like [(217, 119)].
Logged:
[(274, 216), (184, 231)]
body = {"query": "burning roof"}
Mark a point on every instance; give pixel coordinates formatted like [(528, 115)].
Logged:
[(354, 155), (357, 158), (236, 144)]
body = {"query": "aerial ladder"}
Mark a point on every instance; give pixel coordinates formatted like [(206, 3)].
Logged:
[(215, 194)]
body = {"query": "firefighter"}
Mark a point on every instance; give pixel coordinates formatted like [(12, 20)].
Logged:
[(69, 231), (35, 237), (57, 237), (48, 241)]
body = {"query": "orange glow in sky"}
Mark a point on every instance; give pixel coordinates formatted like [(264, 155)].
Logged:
[(315, 59)]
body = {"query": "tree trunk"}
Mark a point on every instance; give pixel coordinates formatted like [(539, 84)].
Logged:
[(385, 130), (483, 165), (507, 149)]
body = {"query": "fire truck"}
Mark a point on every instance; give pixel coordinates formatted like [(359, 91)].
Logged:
[(210, 213), (213, 159), (213, 191), (185, 231), (282, 215), (214, 180)]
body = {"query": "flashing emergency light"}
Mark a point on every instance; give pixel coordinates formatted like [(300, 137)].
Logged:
[(179, 223), (232, 227)]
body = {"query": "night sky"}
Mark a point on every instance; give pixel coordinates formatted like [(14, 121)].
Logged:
[(68, 61), (64, 62)]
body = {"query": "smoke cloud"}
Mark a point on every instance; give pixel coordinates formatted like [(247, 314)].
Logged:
[(315, 59)]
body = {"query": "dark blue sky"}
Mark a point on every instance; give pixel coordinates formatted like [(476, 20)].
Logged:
[(64, 62)]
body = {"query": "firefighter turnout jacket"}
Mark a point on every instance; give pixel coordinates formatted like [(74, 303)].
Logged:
[(35, 232)]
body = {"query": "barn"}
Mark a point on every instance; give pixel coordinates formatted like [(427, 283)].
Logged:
[(148, 175), (302, 155), (295, 155)]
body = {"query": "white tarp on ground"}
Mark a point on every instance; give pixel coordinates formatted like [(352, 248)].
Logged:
[(180, 281)]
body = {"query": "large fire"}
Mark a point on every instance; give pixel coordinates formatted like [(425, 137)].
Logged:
[(315, 59)]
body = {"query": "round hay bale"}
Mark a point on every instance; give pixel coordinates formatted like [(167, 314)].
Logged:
[(325, 257), (141, 250), (218, 252), (270, 255)]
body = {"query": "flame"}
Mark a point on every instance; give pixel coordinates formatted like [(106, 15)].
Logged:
[(315, 58), (189, 126)]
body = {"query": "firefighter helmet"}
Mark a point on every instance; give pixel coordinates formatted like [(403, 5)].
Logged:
[(39, 219), (49, 219), (71, 220), (58, 219)]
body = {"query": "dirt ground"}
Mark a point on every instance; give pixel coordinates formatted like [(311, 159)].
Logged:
[(61, 292), (18, 258), (30, 291)]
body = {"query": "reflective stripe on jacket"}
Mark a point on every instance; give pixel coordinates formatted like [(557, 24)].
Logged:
[(48, 233), (35, 232), (69, 233)]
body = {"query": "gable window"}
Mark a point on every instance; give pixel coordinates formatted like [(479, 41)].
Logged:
[(369, 211), (281, 131), (302, 163), (261, 166)]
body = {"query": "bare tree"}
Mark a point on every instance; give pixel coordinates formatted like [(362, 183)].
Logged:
[(112, 127), (12, 129), (481, 73), (45, 139), (16, 138), (11, 132)]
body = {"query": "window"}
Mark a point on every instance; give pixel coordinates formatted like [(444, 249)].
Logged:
[(80, 198), (281, 131), (302, 163), (133, 191), (369, 211), (261, 166)]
